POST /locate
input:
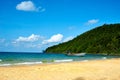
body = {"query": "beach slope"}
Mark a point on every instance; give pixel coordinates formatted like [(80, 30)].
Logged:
[(88, 70)]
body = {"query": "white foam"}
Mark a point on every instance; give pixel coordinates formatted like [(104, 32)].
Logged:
[(5, 64), (23, 63), (65, 60), (28, 63), (104, 57)]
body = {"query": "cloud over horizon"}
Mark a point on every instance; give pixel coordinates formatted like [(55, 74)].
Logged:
[(32, 41), (29, 6), (36, 41), (30, 38), (53, 39)]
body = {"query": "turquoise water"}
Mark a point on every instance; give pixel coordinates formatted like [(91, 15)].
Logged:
[(18, 58)]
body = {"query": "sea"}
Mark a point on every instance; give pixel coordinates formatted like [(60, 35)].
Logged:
[(26, 58)]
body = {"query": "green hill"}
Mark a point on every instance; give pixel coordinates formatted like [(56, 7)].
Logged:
[(104, 39)]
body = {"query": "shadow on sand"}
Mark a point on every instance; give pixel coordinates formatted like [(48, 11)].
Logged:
[(79, 78)]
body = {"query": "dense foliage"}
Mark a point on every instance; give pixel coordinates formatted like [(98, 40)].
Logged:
[(103, 39)]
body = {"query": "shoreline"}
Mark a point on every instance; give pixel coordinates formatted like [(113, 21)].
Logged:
[(47, 63), (57, 63), (107, 69)]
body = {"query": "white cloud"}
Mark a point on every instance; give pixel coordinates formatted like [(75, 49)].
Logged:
[(68, 39), (30, 38), (28, 6), (93, 21), (54, 38), (36, 41), (32, 41)]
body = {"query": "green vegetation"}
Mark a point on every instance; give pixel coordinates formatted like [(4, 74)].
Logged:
[(104, 39)]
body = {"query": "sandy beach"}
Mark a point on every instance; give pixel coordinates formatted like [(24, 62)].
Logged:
[(89, 70)]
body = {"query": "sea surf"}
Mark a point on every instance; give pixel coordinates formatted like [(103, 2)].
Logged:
[(23, 58)]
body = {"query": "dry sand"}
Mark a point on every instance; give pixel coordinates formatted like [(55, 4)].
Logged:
[(90, 70)]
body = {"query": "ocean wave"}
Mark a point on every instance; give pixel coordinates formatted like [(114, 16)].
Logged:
[(5, 64), (22, 63), (64, 60), (28, 63), (31, 63)]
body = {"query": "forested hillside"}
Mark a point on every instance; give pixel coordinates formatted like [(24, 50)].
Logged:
[(104, 39)]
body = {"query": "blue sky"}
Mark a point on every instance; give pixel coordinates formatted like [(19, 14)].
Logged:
[(33, 25)]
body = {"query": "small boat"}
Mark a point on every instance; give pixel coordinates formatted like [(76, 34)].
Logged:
[(76, 54), (79, 54)]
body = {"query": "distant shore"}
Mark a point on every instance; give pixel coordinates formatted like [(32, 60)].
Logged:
[(88, 70)]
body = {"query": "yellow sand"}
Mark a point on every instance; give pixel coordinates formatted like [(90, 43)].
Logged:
[(90, 70)]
